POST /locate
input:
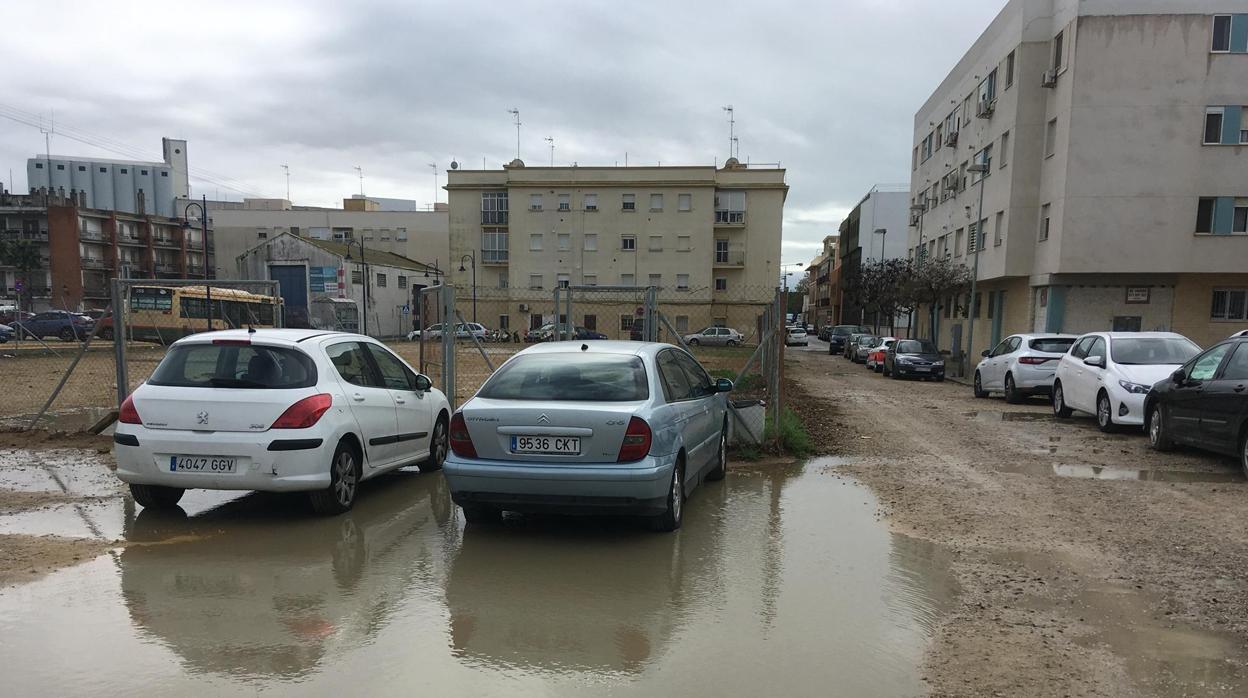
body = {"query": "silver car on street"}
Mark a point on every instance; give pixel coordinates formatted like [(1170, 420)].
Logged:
[(715, 337), (604, 427)]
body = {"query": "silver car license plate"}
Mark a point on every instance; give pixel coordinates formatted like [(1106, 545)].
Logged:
[(557, 445), (202, 464)]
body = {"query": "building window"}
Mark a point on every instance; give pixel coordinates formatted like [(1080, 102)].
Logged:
[(591, 322), (494, 246), (125, 170), (591, 242), (729, 207), (142, 173), (402, 281), (721, 251), (564, 240), (628, 243), (1221, 34), (1005, 150), (262, 234), (629, 202), (357, 277), (721, 283), (957, 243), (627, 280), (1204, 214), (535, 202), (988, 89), (163, 173), (565, 202), (626, 323), (1059, 47), (997, 230), (494, 208), (381, 280), (38, 165), (504, 322), (590, 279), (535, 281), (914, 159), (62, 167), (1044, 222), (104, 170), (682, 282), (656, 243), (656, 280), (400, 234), (656, 202), (683, 243), (1009, 70), (1239, 222), (591, 202), (1229, 304), (983, 157), (684, 202), (1213, 125), (563, 280), (502, 281), (82, 168), (535, 242), (1050, 138)]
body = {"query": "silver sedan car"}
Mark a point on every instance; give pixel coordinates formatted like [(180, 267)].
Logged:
[(590, 428), (715, 337)]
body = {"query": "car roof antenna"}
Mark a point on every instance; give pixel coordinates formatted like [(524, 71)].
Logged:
[(250, 329), (584, 347)]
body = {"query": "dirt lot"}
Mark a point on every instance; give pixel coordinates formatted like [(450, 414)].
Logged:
[(1088, 564)]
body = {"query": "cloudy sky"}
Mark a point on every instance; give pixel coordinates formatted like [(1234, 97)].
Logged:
[(826, 88)]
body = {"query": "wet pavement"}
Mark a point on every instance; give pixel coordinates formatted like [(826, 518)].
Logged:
[(783, 581)]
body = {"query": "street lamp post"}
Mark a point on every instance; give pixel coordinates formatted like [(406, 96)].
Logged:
[(203, 233), (472, 256), (883, 233), (363, 275), (918, 252), (980, 168)]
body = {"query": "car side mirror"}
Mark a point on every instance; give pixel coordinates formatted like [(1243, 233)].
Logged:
[(1096, 361), (985, 353), (422, 384), (1178, 376), (723, 385)]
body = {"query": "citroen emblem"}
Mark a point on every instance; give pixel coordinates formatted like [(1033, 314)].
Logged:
[(202, 417), (543, 419)]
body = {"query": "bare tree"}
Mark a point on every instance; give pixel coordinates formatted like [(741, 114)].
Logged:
[(932, 281)]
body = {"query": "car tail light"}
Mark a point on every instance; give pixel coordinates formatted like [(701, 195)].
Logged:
[(232, 342), (128, 414), (1034, 360), (461, 440), (304, 413), (636, 441)]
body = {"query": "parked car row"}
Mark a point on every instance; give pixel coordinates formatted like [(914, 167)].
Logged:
[(893, 357), (61, 324)]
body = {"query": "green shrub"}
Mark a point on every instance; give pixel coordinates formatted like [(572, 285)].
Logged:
[(791, 437)]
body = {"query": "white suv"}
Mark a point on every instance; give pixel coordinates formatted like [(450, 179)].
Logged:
[(1021, 365), (1109, 374)]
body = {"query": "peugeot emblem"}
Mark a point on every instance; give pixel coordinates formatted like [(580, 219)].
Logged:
[(202, 417), (543, 419)]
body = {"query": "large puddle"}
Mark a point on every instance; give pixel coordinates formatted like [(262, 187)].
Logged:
[(782, 582)]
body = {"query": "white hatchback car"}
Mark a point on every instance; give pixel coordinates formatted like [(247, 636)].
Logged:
[(1021, 365), (277, 411), (795, 337), (1109, 374)]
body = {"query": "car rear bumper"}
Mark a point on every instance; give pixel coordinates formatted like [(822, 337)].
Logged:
[(637, 488), (286, 461), (1034, 380)]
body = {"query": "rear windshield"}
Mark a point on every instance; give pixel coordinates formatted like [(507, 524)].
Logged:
[(914, 346), (1153, 350), (1052, 345), (868, 340), (234, 366), (565, 376), (845, 330)]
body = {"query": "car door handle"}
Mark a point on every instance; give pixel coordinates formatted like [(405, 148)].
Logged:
[(1239, 388), (400, 400), (357, 397)]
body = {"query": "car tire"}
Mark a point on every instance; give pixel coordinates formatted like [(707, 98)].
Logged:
[(693, 342), (721, 458), (1158, 433), (156, 496), (1012, 395), (1105, 413), (732, 343), (344, 482), (896, 374), (438, 445), (67, 334), (482, 515), (1059, 402), (978, 388), (670, 520)]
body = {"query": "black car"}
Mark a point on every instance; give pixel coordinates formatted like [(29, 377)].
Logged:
[(836, 335), (1204, 403), (915, 358)]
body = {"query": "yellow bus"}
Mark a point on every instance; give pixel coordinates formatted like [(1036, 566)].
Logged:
[(165, 314)]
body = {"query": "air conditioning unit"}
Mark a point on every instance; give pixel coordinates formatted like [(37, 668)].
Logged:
[(524, 307), (951, 138), (1049, 79), (985, 108)]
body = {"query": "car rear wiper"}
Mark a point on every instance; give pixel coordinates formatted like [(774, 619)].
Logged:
[(235, 383)]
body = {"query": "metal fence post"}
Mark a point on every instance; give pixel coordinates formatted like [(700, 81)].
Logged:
[(651, 330), (447, 298), (119, 342)]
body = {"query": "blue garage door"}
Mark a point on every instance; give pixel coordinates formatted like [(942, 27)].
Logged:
[(293, 280)]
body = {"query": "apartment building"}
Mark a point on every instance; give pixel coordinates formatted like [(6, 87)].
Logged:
[(707, 238), (1116, 190), (874, 230), (127, 186), (80, 250), (824, 292)]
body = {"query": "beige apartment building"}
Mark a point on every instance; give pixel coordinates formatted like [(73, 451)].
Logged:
[(707, 238), (823, 293), (1117, 187)]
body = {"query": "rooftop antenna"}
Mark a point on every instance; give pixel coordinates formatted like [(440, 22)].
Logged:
[(732, 123), (736, 142), (287, 168), (47, 143), (515, 111), (434, 166), (361, 171), (551, 141)]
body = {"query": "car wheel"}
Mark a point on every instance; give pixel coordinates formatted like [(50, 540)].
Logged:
[(1059, 402), (979, 387), (437, 448), (344, 479), (156, 496), (1104, 412), (670, 519), (693, 342), (480, 514), (732, 343), (896, 373), (66, 334), (721, 458), (1158, 436), (1012, 395)]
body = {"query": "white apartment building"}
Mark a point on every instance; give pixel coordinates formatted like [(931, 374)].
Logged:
[(874, 230), (1117, 192), (708, 238)]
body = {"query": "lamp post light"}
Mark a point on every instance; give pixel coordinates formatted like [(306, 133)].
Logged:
[(363, 276), (980, 168), (203, 233), (472, 256), (883, 233)]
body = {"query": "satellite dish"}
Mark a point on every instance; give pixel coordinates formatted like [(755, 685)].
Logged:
[(454, 165)]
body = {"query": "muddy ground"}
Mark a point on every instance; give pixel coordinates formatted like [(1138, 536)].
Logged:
[(1088, 564)]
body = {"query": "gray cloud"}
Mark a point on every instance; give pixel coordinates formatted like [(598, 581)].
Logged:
[(828, 89)]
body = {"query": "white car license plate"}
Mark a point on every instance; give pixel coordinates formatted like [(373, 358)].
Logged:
[(560, 445), (202, 464)]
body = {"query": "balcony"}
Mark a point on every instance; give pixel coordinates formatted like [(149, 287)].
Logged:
[(139, 240), (729, 218), (93, 263), (31, 235), (94, 235), (729, 258), (95, 290), (162, 241), (194, 244), (495, 257), (163, 268)]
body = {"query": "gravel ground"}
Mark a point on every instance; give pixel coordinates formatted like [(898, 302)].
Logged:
[(1088, 563)]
